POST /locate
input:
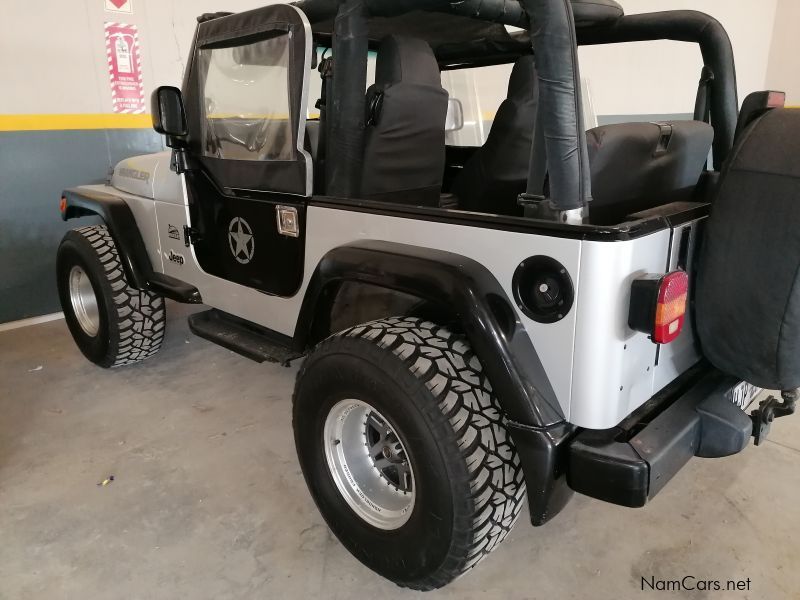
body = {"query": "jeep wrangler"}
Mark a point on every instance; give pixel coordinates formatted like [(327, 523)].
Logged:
[(555, 311)]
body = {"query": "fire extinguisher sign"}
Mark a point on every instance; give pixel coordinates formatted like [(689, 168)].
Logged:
[(124, 68)]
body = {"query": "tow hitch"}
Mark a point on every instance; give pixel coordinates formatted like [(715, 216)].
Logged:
[(771, 409)]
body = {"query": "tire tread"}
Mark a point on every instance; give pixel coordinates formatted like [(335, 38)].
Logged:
[(445, 364), (140, 315)]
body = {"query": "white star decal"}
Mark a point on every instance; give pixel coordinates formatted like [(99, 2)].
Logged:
[(241, 240)]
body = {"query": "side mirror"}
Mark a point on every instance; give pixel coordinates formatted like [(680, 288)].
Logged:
[(169, 115), (455, 115)]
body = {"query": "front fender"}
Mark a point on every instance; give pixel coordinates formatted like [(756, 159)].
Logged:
[(120, 222), (117, 215)]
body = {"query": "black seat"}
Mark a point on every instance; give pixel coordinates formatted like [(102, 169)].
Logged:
[(637, 166), (497, 172), (312, 138), (404, 154)]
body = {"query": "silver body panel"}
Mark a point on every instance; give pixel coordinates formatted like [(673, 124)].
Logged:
[(148, 176), (683, 353), (613, 365), (600, 370)]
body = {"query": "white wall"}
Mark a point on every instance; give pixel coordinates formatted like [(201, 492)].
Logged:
[(784, 63), (661, 77), (52, 52)]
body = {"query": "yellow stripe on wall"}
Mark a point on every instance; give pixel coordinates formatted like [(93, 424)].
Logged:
[(73, 121), (51, 122)]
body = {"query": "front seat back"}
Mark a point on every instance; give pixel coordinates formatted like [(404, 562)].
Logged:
[(404, 153), (497, 173)]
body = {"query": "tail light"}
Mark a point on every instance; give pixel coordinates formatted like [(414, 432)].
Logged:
[(776, 100), (62, 206), (658, 305)]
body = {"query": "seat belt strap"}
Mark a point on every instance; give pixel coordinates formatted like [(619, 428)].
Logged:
[(326, 73), (538, 173), (702, 106)]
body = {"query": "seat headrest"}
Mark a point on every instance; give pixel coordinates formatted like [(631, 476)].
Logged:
[(406, 59), (523, 81)]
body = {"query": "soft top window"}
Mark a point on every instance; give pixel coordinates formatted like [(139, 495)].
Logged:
[(246, 101)]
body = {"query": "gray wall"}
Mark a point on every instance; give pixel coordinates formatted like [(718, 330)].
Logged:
[(53, 65), (784, 63), (34, 167)]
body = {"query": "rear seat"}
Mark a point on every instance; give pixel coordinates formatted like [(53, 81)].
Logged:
[(637, 166)]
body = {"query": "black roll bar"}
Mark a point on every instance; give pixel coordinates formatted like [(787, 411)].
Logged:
[(507, 12), (715, 46), (554, 41), (346, 114)]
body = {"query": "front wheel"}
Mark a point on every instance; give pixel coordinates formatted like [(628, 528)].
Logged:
[(403, 446), (113, 323)]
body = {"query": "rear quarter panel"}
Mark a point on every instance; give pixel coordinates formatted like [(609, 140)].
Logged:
[(613, 368)]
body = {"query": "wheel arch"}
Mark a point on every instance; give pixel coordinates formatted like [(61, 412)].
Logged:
[(118, 217), (348, 301), (471, 296)]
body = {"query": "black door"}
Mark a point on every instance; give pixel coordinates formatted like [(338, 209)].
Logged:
[(244, 93)]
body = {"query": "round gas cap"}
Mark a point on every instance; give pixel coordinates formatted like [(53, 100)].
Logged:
[(543, 289)]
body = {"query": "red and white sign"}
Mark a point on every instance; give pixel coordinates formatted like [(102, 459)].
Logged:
[(125, 6), (124, 68)]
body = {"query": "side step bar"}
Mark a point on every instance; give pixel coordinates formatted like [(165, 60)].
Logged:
[(174, 289), (243, 337), (630, 464)]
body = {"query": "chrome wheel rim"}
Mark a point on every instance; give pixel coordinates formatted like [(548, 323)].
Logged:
[(84, 301), (369, 464)]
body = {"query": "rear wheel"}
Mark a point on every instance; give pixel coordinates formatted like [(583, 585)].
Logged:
[(112, 323), (403, 446)]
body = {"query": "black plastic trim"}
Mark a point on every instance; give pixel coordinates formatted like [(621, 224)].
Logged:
[(644, 302), (542, 452), (119, 219), (121, 224), (596, 233), (500, 341), (629, 464), (504, 348)]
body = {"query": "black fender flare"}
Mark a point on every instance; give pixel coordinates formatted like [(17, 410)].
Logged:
[(119, 219), (497, 335), (121, 224)]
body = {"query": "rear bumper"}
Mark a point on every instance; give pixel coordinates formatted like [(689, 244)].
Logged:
[(631, 463)]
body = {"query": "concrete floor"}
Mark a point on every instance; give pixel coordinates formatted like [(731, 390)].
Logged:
[(208, 500)]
